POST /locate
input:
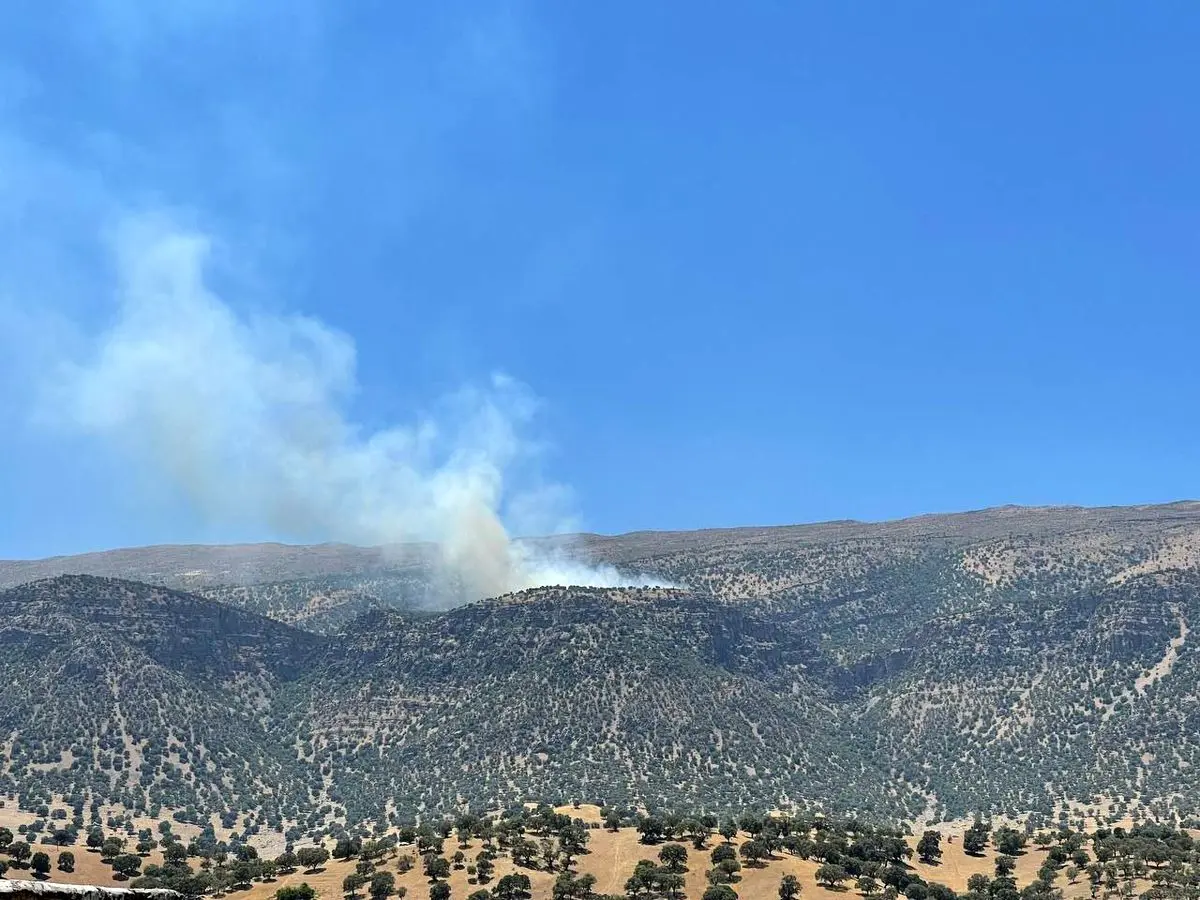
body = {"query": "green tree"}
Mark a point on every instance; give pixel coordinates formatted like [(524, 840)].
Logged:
[(831, 875), (549, 853), (175, 853), (929, 848), (569, 887), (382, 885), (20, 852), (302, 891), (722, 852), (40, 863), (695, 830), (243, 872), (127, 864), (1008, 841), (6, 838), (66, 861), (867, 885), (720, 892), (789, 887), (975, 839), (754, 852), (439, 891), (674, 858), (652, 829), (484, 867), (312, 858), (436, 867), (724, 872), (512, 887), (523, 851), (644, 880), (671, 884)]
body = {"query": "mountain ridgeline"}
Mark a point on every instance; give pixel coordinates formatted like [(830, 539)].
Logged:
[(1011, 660)]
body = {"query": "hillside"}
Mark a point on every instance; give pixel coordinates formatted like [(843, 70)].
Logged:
[(612, 694), (143, 695), (607, 695), (1007, 660)]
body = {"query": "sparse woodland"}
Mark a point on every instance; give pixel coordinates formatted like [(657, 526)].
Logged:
[(1017, 664), (548, 853)]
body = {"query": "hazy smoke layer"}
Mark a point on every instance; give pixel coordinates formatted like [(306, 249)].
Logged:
[(246, 415)]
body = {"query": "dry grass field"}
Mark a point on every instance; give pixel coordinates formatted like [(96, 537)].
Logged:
[(610, 858)]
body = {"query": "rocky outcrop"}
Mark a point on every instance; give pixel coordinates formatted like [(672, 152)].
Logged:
[(51, 890)]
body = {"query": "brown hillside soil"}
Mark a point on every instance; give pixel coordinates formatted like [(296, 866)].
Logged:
[(611, 859)]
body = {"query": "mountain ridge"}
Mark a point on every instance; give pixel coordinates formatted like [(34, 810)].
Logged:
[(1001, 661), (16, 571)]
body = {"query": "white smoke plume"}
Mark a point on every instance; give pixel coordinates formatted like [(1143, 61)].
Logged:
[(246, 415)]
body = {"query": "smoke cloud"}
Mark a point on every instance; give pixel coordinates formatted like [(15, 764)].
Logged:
[(247, 416)]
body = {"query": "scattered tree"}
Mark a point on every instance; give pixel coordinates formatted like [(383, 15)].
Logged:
[(127, 864), (754, 852), (312, 858), (831, 875), (382, 885), (929, 848), (975, 839), (674, 858), (40, 863)]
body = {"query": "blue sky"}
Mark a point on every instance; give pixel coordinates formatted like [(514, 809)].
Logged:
[(758, 263)]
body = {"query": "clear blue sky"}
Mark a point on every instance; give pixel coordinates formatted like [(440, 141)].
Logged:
[(762, 262)]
